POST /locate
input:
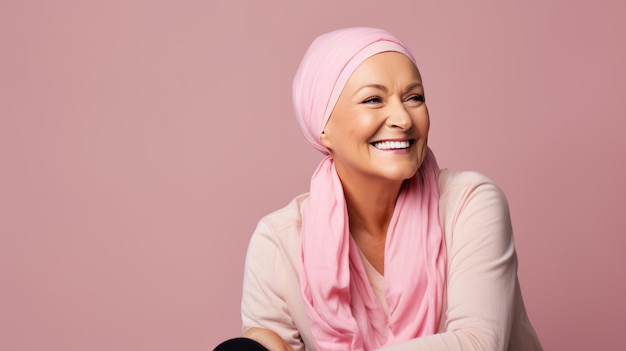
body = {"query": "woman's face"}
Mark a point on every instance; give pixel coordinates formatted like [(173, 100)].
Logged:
[(379, 126)]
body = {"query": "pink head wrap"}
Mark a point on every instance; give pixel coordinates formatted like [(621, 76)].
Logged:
[(325, 69), (343, 310)]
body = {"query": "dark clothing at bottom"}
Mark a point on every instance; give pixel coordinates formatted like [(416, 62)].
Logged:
[(240, 344)]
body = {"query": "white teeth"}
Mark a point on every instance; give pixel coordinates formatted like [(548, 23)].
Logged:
[(390, 145)]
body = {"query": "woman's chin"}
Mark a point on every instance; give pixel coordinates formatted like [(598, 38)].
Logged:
[(400, 173)]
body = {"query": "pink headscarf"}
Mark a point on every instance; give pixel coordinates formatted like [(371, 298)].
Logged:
[(343, 309)]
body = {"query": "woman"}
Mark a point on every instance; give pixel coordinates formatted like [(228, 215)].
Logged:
[(387, 251)]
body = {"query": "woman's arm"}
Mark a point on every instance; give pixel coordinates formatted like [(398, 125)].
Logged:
[(482, 272), (265, 315), (268, 338)]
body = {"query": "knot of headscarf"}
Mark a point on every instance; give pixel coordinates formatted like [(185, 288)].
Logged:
[(343, 310)]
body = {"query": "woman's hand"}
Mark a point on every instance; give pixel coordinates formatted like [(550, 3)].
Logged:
[(267, 338)]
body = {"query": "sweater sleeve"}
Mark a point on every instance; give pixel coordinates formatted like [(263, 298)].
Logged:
[(264, 303), (482, 272)]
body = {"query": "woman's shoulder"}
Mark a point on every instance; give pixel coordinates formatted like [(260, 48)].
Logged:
[(280, 229), (467, 189), (450, 179), (287, 216), (455, 181)]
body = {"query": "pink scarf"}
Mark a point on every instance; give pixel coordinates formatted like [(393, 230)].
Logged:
[(343, 309)]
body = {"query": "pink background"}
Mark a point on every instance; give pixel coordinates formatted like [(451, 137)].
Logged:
[(140, 142)]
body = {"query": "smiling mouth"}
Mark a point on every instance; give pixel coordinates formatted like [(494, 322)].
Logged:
[(393, 145)]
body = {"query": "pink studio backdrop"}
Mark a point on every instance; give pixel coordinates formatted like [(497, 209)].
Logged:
[(140, 142)]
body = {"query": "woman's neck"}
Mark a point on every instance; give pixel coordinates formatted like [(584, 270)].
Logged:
[(370, 204)]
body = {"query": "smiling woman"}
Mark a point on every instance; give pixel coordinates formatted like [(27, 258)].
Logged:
[(386, 251), (379, 127)]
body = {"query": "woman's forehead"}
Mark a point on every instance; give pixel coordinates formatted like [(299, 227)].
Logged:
[(384, 66)]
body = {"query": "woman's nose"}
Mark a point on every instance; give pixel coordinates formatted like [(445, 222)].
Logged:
[(399, 117)]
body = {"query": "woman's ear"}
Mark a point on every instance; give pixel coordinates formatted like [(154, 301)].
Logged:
[(325, 140)]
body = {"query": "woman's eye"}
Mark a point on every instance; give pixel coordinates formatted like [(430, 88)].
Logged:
[(416, 98), (372, 100)]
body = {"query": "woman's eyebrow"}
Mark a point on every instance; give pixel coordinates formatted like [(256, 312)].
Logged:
[(413, 86), (410, 87), (375, 86)]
